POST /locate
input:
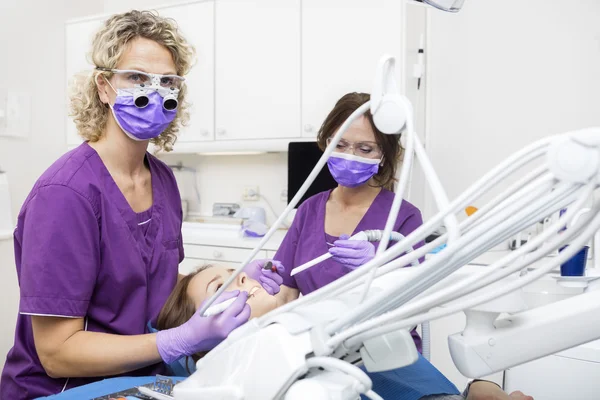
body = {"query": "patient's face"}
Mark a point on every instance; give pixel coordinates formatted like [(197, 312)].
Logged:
[(207, 282)]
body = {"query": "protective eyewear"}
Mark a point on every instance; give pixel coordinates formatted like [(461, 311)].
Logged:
[(130, 78), (361, 149)]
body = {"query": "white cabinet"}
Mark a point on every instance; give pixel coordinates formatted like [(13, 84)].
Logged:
[(79, 37), (257, 69), (267, 72), (342, 41), (196, 22), (197, 255)]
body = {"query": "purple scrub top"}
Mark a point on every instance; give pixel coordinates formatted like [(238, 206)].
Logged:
[(306, 239), (81, 251)]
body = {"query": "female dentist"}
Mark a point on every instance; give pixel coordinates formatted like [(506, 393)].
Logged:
[(364, 166), (98, 239)]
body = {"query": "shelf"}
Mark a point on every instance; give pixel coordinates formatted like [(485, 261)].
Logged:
[(225, 147), (236, 146)]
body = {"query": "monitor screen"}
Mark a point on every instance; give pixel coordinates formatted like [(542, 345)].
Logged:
[(302, 158)]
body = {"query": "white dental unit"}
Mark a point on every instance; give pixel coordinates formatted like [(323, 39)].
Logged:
[(308, 348)]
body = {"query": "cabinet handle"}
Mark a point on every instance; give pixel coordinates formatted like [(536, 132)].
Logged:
[(217, 254), (204, 132), (221, 132), (308, 128)]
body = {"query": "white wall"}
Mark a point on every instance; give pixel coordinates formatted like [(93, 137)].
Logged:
[(32, 51), (117, 6), (502, 75), (222, 179)]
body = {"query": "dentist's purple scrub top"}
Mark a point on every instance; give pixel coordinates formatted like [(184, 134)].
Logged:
[(81, 251), (306, 239)]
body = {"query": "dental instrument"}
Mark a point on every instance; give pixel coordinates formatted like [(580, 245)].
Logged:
[(372, 235), (269, 266), (218, 308)]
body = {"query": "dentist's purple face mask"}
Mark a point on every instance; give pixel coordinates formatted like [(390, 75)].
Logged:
[(350, 170), (142, 123)]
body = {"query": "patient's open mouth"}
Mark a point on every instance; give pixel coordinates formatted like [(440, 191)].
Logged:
[(253, 290)]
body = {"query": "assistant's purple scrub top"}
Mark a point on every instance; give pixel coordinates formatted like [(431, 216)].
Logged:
[(306, 239), (81, 251)]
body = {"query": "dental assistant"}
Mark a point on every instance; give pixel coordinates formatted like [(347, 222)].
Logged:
[(364, 165), (98, 240)]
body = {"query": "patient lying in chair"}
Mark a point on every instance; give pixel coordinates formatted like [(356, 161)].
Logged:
[(193, 289)]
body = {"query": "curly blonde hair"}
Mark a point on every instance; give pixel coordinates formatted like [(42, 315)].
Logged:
[(88, 111)]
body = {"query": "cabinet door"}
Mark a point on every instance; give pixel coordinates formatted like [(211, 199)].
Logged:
[(257, 69), (196, 22), (79, 37), (342, 42)]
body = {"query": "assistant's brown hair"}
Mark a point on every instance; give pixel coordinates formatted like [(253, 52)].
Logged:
[(179, 307), (389, 144)]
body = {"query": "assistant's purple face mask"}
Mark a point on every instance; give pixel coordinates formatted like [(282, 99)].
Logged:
[(141, 123), (351, 171)]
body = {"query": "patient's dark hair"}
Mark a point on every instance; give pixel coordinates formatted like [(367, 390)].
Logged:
[(179, 307)]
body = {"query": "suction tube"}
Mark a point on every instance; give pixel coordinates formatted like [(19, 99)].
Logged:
[(372, 235)]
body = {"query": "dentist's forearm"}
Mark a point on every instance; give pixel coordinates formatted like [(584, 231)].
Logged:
[(67, 351)]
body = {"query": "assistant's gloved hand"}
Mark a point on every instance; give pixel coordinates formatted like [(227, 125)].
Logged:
[(269, 280), (352, 253), (203, 333)]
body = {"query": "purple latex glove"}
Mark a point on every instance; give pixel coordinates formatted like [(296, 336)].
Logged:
[(269, 279), (203, 333), (352, 253)]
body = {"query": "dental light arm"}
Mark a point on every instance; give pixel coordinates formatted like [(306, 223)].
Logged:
[(391, 113)]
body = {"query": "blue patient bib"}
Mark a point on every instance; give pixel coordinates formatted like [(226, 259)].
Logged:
[(411, 382)]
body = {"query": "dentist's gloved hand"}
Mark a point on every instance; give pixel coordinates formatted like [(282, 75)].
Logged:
[(203, 333), (269, 280), (352, 253)]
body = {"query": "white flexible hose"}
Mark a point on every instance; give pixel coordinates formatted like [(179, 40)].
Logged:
[(407, 291), (475, 282), (501, 237), (431, 275), (475, 301), (379, 327), (334, 364)]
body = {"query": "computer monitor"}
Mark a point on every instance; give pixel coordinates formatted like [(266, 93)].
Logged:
[(302, 158)]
